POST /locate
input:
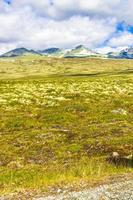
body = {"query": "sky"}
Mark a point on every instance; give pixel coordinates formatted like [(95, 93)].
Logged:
[(102, 25)]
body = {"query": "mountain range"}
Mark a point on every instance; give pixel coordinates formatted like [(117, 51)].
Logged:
[(77, 52), (124, 54), (19, 52)]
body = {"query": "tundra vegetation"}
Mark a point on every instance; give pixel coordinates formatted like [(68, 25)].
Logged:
[(61, 118)]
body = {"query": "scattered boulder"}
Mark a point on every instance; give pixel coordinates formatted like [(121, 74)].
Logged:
[(119, 160)]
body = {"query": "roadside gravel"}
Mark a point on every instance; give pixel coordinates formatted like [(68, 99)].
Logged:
[(114, 188), (116, 191)]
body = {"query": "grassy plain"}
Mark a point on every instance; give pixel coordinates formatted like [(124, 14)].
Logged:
[(60, 118)]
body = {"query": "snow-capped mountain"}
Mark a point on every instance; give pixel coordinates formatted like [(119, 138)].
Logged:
[(126, 53), (81, 51), (78, 52), (19, 52)]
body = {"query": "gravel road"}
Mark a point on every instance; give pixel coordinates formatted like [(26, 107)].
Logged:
[(116, 191), (120, 188)]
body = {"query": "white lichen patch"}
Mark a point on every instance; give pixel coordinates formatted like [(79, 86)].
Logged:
[(120, 111), (48, 93)]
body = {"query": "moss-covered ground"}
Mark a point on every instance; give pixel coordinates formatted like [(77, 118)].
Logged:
[(61, 118)]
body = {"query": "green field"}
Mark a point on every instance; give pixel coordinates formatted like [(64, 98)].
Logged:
[(61, 118)]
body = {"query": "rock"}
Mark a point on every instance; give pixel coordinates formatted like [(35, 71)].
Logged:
[(115, 155), (119, 160)]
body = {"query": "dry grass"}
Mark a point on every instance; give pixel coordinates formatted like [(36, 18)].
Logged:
[(58, 130)]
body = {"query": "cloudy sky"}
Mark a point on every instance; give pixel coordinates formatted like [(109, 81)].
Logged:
[(103, 25)]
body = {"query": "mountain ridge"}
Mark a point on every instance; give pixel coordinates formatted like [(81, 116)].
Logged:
[(79, 51), (123, 54), (19, 52)]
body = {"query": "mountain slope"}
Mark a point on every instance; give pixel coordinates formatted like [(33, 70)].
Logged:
[(78, 52), (81, 51), (113, 55), (127, 53), (19, 52), (124, 54), (54, 52), (49, 51)]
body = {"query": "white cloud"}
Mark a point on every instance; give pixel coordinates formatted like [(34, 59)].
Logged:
[(23, 28), (107, 49), (121, 9), (4, 47), (64, 23), (117, 43), (122, 39), (3, 6)]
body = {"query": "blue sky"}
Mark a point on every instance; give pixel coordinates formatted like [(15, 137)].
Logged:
[(8, 1), (102, 25)]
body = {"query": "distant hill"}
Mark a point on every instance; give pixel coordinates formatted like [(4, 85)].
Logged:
[(81, 51), (19, 52), (127, 53), (78, 52), (113, 55), (54, 52), (49, 51), (124, 54)]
